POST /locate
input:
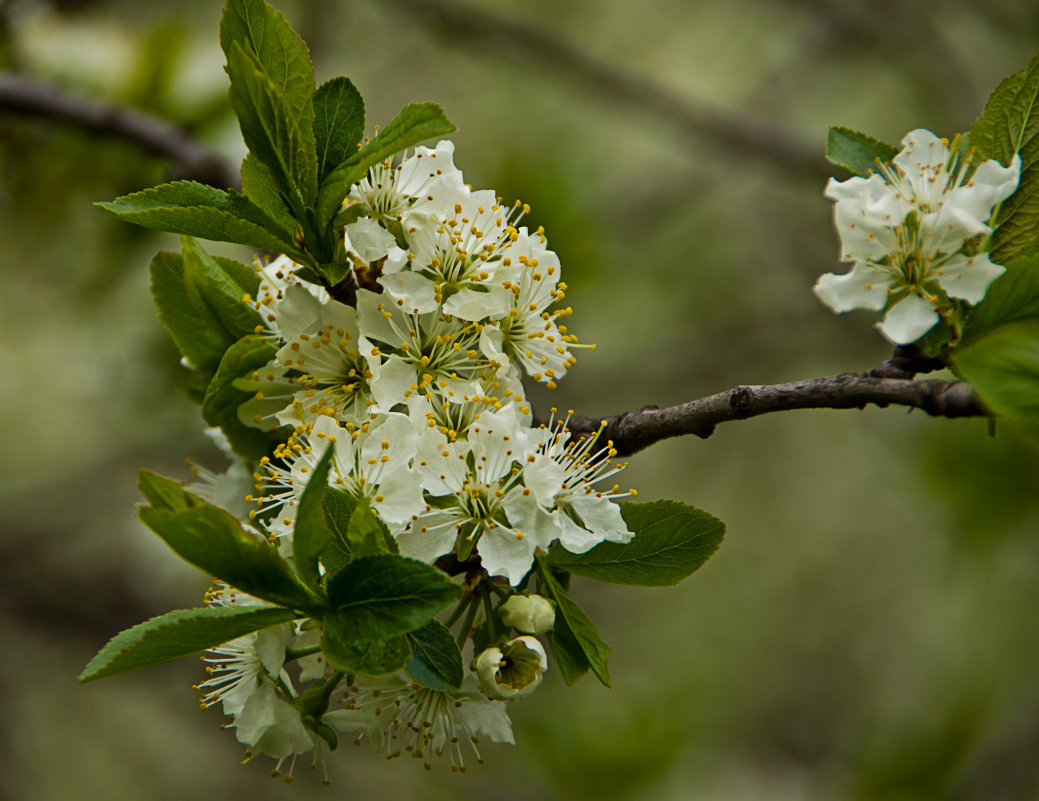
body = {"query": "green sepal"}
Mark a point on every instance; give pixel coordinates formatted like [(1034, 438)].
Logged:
[(326, 733), (338, 123), (194, 209), (213, 541), (222, 401), (334, 272), (672, 540), (382, 596), (179, 633), (416, 123), (280, 52), (272, 129), (573, 633), (435, 660), (312, 703), (856, 152), (368, 657), (1009, 126), (311, 535)]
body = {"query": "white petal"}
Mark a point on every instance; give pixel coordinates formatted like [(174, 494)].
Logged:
[(402, 495), (502, 553), (923, 154), (908, 320), (601, 516), (544, 477), (428, 546), (487, 717), (969, 277), (491, 339), (368, 239), (468, 304), (865, 287), (285, 736), (390, 383), (270, 647), (413, 290), (575, 538), (298, 311), (991, 183)]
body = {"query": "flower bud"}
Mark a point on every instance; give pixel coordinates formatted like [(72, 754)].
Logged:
[(530, 614), (512, 671)]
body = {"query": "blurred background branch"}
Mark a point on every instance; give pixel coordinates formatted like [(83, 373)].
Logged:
[(191, 159), (736, 135)]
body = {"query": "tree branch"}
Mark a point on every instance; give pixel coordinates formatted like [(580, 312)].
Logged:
[(890, 384), (193, 160), (748, 136)]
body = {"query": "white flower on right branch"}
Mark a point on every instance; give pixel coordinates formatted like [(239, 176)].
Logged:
[(905, 230)]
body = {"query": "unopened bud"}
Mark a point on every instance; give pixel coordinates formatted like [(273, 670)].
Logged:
[(530, 614)]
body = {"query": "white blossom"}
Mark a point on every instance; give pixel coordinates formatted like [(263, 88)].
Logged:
[(911, 233), (398, 716)]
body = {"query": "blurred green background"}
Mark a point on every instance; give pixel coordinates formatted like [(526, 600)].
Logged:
[(867, 630)]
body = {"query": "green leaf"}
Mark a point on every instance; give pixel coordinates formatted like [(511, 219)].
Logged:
[(190, 331), (337, 508), (672, 540), (856, 152), (567, 654), (213, 541), (436, 661), (194, 209), (267, 36), (334, 558), (1009, 126), (310, 535), (416, 123), (1013, 297), (216, 296), (261, 187), (272, 129), (378, 597), (177, 634), (220, 405), (367, 534), (367, 657), (574, 628), (1003, 366), (338, 123), (165, 493)]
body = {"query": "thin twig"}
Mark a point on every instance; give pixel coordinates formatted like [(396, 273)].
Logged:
[(749, 136), (890, 384), (193, 160)]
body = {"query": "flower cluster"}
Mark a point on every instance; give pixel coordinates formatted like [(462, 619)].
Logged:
[(417, 387), (414, 383), (915, 232)]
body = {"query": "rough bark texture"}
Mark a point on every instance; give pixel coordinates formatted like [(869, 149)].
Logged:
[(889, 384)]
